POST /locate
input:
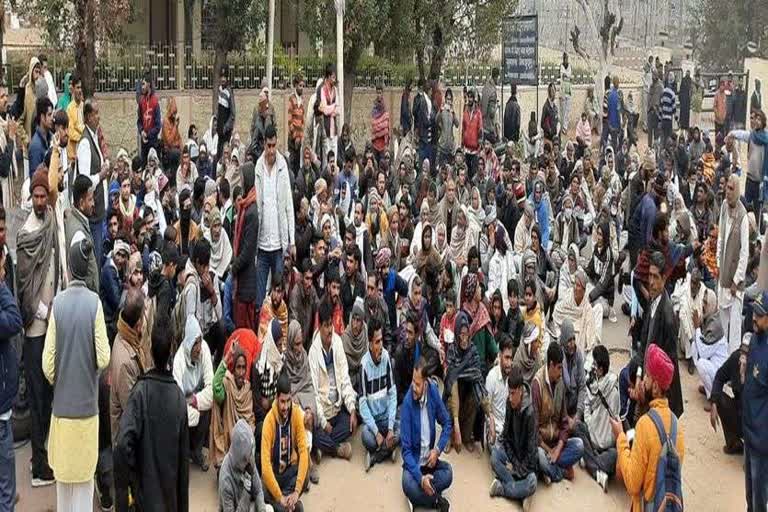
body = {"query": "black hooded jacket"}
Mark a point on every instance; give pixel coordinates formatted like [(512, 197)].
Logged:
[(519, 437), (244, 261)]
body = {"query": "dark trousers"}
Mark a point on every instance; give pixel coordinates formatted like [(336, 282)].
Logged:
[(729, 411), (442, 478), (756, 473), (340, 432), (104, 465), (653, 127), (603, 460), (666, 130), (752, 195), (287, 483), (215, 338), (472, 161), (7, 467), (40, 401), (198, 435)]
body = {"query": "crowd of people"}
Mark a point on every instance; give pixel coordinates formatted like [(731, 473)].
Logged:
[(231, 305)]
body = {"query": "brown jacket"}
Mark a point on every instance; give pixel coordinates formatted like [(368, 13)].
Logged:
[(730, 244), (124, 371)]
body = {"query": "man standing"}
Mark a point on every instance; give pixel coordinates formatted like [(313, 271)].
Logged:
[(757, 158), (91, 163), (489, 103), (755, 400), (378, 400), (284, 451), (406, 118), (512, 117), (557, 453), (8, 170), (653, 108), (225, 112), (76, 221), (153, 422), (425, 477), (423, 114), (149, 120), (75, 115), (566, 77), (638, 465), (10, 326), (668, 109), (296, 120), (41, 140), (336, 414), (39, 278), (514, 457), (732, 257), (328, 108), (76, 351), (720, 107), (380, 129), (471, 133), (615, 113), (277, 223)]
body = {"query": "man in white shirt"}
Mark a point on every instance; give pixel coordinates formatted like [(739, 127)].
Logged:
[(496, 385), (276, 222), (732, 256), (91, 163)]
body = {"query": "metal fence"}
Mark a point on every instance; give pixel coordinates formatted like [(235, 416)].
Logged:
[(118, 68)]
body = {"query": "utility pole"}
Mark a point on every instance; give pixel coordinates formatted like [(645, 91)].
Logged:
[(339, 58), (270, 43)]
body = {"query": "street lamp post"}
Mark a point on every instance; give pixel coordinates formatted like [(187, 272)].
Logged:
[(270, 42), (340, 59)]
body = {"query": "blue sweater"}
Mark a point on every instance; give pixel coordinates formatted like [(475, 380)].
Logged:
[(754, 398), (10, 325), (410, 427), (378, 396), (111, 290), (38, 147)]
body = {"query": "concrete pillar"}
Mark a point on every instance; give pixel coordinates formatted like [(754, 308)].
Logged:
[(270, 42), (197, 27), (180, 44)]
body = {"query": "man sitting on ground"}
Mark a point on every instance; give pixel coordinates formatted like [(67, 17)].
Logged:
[(425, 477), (557, 453), (239, 484), (378, 400), (514, 458), (727, 408)]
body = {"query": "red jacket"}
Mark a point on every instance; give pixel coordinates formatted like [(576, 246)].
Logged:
[(472, 129)]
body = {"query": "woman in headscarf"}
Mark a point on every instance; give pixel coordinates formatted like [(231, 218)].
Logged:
[(170, 133), (211, 139), (464, 390), (498, 317), (441, 241), (66, 97), (27, 115), (221, 248), (463, 237), (502, 266), (417, 232), (355, 341), (479, 321), (427, 264), (232, 168), (600, 271), (475, 211), (527, 355)]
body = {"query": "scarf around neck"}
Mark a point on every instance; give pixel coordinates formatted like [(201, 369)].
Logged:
[(355, 346), (133, 338)]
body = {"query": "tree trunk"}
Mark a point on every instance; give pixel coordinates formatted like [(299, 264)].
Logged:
[(2, 40), (219, 61), (85, 45), (438, 54), (351, 60)]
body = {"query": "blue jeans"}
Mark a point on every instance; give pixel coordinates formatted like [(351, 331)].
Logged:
[(570, 455), (752, 196), (340, 432), (756, 472), (442, 477), (368, 436), (7, 467), (97, 233), (514, 489), (266, 262)]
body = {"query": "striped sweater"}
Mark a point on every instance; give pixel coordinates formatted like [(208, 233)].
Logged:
[(378, 395), (668, 104)]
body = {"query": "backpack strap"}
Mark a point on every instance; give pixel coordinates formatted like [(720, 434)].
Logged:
[(660, 426)]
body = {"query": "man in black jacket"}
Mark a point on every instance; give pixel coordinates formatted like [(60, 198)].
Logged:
[(154, 421), (514, 457), (245, 243), (725, 407), (512, 117)]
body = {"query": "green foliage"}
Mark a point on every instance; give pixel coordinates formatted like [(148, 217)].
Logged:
[(235, 22), (720, 31)]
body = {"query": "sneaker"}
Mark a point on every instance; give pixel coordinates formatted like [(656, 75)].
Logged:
[(367, 463), (582, 464), (105, 500), (527, 504), (602, 479), (344, 451), (443, 505), (496, 488), (393, 455), (612, 316), (547, 479), (44, 478), (314, 474)]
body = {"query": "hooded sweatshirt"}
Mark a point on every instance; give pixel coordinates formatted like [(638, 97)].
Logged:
[(519, 437), (292, 430), (195, 378), (595, 414), (239, 484)]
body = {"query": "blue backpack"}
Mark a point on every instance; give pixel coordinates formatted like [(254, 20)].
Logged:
[(668, 489)]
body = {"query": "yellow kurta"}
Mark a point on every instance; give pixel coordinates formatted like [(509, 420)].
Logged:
[(73, 444)]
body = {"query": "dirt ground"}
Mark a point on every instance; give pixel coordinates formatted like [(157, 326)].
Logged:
[(712, 481)]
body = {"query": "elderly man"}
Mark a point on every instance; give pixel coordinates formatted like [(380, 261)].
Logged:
[(587, 319), (732, 257), (690, 297)]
